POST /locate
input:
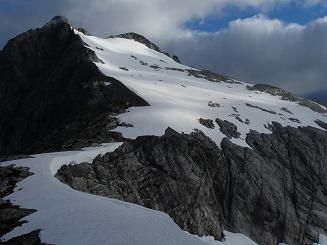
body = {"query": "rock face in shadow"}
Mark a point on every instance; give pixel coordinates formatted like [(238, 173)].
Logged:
[(321, 124), (51, 91), (274, 192), (277, 191), (11, 215), (173, 173), (210, 76), (32, 238), (227, 128)]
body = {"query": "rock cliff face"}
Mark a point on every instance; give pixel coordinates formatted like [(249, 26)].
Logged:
[(285, 95), (11, 215), (274, 192), (51, 91), (173, 173), (279, 187)]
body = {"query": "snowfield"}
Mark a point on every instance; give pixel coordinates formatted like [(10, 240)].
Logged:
[(178, 100), (67, 216)]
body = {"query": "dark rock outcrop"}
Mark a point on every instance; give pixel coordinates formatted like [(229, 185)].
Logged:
[(213, 104), (286, 110), (227, 128), (279, 187), (9, 176), (321, 124), (285, 95), (173, 173), (207, 123), (274, 192), (11, 215), (84, 31), (55, 21), (32, 238), (176, 58), (51, 91), (211, 76), (260, 108)]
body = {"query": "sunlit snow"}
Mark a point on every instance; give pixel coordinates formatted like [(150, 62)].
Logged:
[(178, 100)]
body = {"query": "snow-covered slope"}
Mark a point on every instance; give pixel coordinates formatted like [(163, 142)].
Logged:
[(67, 216), (178, 99)]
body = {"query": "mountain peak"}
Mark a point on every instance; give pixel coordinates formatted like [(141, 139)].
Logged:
[(57, 20)]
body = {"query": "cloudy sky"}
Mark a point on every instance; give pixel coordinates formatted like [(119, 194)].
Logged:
[(282, 42)]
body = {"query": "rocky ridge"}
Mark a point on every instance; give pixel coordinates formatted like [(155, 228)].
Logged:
[(285, 95), (141, 39), (273, 193)]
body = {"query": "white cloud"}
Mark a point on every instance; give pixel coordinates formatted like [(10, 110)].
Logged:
[(311, 3), (260, 49), (154, 18)]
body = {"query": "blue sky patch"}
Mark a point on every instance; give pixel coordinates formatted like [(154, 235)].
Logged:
[(291, 13)]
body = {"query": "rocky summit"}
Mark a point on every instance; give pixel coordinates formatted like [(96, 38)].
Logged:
[(53, 95), (114, 141)]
